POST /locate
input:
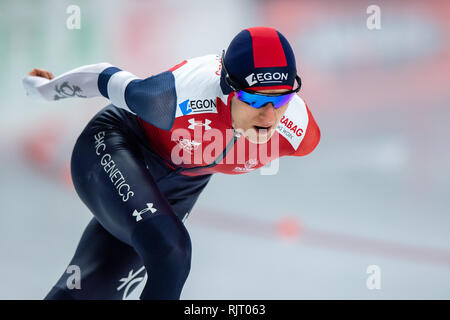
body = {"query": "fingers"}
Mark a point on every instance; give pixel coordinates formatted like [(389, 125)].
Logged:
[(41, 73), (48, 75)]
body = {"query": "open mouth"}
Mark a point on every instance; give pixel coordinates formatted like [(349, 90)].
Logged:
[(260, 129)]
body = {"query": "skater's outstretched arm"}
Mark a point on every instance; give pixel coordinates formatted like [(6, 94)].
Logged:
[(153, 99)]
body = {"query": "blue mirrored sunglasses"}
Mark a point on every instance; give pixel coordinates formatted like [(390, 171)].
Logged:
[(259, 100)]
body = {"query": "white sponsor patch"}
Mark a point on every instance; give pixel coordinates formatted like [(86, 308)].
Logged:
[(294, 122), (198, 86), (267, 77)]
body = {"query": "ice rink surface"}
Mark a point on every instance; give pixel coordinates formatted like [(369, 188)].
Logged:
[(374, 192)]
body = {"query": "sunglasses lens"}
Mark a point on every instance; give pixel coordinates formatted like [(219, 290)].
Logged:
[(282, 100), (258, 101)]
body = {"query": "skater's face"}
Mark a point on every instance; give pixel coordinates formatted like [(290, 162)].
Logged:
[(257, 125)]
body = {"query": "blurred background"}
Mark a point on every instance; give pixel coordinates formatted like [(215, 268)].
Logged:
[(374, 192)]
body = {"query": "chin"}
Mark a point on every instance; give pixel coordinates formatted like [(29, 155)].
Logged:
[(260, 138)]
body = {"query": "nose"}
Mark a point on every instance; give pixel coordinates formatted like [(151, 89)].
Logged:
[(267, 114)]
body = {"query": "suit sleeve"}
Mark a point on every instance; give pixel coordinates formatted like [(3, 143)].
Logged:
[(312, 137), (153, 99)]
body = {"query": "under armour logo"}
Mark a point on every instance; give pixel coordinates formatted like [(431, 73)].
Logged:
[(138, 214), (194, 123)]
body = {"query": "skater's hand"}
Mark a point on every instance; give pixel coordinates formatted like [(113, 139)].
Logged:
[(37, 78), (41, 73)]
